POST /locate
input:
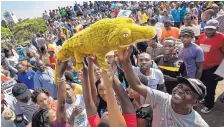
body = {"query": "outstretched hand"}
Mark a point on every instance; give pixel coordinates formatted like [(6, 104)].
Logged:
[(92, 59), (82, 73), (125, 54), (107, 79), (61, 68)]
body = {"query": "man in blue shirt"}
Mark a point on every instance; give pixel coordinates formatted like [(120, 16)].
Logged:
[(25, 76), (176, 15), (191, 54), (44, 78)]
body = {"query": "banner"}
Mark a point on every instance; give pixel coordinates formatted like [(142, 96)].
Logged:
[(8, 85), (220, 70)]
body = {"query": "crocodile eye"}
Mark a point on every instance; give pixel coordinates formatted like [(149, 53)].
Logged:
[(125, 35)]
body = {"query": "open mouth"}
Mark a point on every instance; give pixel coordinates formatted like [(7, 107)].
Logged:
[(176, 96)]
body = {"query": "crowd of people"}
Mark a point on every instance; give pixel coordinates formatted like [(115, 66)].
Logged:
[(156, 83)]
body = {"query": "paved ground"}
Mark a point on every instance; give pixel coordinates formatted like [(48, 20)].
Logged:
[(216, 117)]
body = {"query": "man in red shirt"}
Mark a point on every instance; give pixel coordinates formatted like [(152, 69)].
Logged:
[(212, 44)]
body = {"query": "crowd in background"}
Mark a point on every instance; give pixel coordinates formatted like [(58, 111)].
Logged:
[(154, 83)]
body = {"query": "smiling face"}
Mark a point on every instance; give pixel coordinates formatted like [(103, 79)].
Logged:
[(183, 95), (168, 46)]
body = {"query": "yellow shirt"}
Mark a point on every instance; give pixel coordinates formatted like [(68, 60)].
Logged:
[(77, 89), (144, 18)]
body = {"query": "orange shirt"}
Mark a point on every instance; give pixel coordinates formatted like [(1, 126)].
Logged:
[(164, 6), (173, 32)]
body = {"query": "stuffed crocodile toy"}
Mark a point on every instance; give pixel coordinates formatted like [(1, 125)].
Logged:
[(101, 37)]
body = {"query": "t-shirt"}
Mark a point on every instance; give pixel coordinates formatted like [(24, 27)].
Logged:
[(195, 28), (164, 115), (170, 69), (154, 79), (176, 15), (212, 49), (172, 32), (27, 78), (28, 109), (57, 124), (190, 56), (81, 119)]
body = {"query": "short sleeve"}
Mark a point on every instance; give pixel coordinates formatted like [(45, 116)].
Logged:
[(130, 120), (155, 97), (160, 76), (199, 55), (94, 120)]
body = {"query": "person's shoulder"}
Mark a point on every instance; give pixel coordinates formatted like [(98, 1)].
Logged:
[(199, 121), (220, 35), (157, 71)]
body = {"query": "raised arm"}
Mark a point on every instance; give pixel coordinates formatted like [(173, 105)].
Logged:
[(91, 61), (89, 103), (126, 105), (61, 93), (115, 117), (132, 79)]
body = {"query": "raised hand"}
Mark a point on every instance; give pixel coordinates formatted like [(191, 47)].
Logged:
[(124, 55), (76, 111), (107, 79), (61, 68)]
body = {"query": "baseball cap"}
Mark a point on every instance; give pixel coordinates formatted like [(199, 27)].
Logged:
[(20, 91), (213, 24), (187, 31), (196, 84)]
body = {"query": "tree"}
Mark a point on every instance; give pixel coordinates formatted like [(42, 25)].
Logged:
[(24, 29), (3, 23), (5, 33)]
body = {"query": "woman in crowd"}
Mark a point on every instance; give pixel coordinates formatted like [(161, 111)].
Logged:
[(11, 60)]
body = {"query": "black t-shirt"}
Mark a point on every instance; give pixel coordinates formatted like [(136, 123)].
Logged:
[(171, 69)]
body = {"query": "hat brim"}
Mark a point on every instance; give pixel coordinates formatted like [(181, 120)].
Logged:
[(186, 81), (211, 27)]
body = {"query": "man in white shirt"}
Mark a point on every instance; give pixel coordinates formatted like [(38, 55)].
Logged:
[(76, 102), (174, 110), (154, 76), (188, 24)]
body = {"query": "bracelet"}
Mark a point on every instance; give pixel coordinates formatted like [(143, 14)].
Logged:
[(61, 79)]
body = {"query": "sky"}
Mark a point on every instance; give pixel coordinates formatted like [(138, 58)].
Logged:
[(32, 9)]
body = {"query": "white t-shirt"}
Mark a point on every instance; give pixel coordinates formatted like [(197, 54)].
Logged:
[(28, 109), (164, 116), (81, 119), (195, 28), (154, 79)]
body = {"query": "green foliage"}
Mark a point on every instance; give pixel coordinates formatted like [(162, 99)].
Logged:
[(24, 30), (4, 33)]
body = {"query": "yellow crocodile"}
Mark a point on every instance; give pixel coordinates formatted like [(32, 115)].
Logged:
[(103, 36)]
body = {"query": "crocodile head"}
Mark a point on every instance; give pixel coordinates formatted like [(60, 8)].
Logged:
[(128, 33)]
